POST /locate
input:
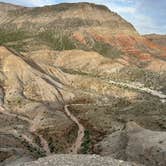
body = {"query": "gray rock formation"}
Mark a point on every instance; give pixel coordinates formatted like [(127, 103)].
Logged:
[(136, 144)]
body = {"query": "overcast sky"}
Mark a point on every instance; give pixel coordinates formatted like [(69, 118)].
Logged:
[(148, 16)]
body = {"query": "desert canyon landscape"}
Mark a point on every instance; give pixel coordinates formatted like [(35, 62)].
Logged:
[(80, 86)]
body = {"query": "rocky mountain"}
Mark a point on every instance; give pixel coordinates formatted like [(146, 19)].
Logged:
[(71, 77), (65, 16)]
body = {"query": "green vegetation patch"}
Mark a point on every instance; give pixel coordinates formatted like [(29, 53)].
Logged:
[(107, 50), (18, 46), (10, 36), (86, 145), (57, 40), (102, 48)]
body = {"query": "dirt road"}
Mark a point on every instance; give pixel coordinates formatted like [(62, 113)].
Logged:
[(80, 134)]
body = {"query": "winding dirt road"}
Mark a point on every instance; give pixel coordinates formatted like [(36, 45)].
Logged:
[(80, 134)]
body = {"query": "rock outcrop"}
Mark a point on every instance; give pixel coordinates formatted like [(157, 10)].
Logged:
[(136, 144)]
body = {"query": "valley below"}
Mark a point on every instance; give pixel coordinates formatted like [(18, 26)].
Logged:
[(79, 89)]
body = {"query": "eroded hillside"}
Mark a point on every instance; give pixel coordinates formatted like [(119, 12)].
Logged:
[(74, 75)]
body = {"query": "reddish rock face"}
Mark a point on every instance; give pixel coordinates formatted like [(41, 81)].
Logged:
[(135, 49), (79, 37)]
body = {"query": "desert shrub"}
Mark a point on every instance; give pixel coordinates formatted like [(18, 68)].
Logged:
[(87, 142)]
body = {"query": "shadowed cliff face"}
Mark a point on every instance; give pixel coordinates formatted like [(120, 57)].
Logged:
[(78, 56)]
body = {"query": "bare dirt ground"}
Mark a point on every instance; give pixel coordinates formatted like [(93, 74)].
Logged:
[(43, 142)]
